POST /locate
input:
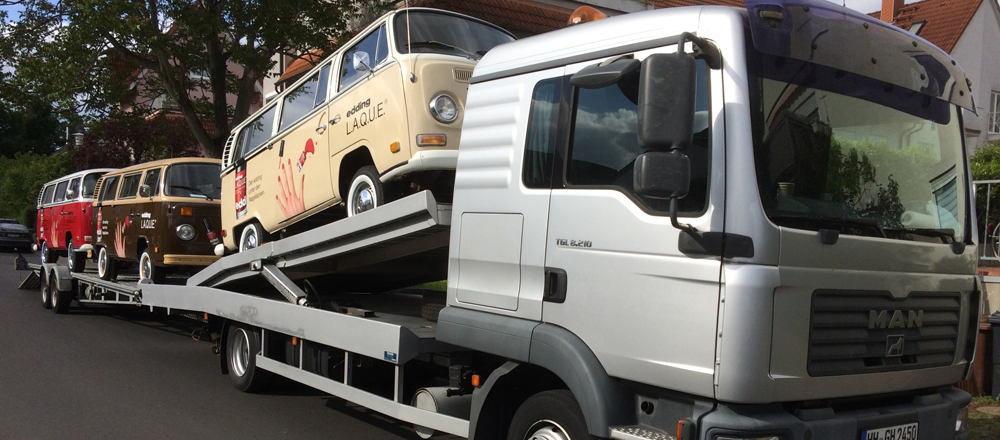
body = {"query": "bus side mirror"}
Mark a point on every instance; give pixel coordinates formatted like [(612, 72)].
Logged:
[(361, 61), (71, 193), (145, 191)]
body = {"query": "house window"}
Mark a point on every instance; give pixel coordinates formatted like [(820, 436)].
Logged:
[(917, 26), (995, 113)]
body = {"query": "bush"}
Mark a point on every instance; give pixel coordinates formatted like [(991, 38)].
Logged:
[(22, 176)]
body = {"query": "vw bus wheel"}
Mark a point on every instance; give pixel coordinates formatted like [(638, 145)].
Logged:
[(107, 269), (77, 261), (46, 292), (149, 271), (549, 415), (366, 191), (48, 255), (253, 235)]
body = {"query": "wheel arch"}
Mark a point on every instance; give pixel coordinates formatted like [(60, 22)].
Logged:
[(350, 164)]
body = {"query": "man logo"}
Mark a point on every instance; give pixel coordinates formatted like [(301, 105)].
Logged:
[(880, 319), (894, 346)]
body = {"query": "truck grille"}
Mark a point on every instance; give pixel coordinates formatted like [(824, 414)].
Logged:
[(853, 332)]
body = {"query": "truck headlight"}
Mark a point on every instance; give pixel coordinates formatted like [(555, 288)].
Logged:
[(444, 109), (185, 232)]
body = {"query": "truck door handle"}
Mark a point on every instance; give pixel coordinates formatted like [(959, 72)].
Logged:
[(555, 285)]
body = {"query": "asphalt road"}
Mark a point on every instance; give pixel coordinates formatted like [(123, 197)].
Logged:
[(124, 373)]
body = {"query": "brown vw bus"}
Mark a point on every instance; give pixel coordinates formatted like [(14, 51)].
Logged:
[(158, 214)]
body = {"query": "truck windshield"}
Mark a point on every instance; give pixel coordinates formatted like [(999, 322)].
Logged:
[(199, 180), (436, 32), (837, 150)]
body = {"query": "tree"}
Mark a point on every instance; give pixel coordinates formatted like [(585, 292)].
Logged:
[(85, 53), (127, 138), (22, 176), (29, 128)]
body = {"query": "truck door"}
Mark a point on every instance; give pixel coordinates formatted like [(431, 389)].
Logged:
[(615, 275)]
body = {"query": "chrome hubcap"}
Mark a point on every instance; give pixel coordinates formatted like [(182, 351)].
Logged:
[(239, 353), (546, 430), (250, 239), (147, 267), (69, 253), (364, 198), (102, 262)]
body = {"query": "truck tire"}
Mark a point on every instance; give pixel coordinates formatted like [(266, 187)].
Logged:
[(242, 347), (549, 415), (46, 289), (366, 191), (48, 255), (253, 235), (77, 261), (149, 271), (107, 268)]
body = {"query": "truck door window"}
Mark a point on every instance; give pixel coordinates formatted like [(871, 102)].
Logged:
[(60, 192), (605, 142), (543, 128), (109, 188), (375, 46), (130, 184), (153, 181)]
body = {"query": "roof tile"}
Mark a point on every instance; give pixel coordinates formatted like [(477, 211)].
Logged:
[(945, 20)]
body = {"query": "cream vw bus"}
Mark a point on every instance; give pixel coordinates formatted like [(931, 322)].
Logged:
[(380, 117)]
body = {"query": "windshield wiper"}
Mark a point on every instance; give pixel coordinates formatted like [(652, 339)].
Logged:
[(194, 190), (929, 232), (447, 46), (850, 222)]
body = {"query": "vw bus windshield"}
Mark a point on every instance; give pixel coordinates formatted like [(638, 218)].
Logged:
[(89, 183), (841, 151), (437, 32), (200, 180)]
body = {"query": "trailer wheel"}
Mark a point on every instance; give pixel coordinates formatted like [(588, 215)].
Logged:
[(46, 292), (48, 255), (242, 347), (77, 261), (60, 300), (366, 191), (149, 271), (549, 415), (107, 268), (253, 235)]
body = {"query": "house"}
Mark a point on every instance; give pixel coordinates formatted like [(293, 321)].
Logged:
[(969, 30)]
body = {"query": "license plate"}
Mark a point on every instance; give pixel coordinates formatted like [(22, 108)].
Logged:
[(898, 432)]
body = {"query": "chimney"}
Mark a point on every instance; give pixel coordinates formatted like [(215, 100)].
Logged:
[(890, 8)]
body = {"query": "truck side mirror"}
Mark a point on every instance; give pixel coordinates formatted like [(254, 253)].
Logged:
[(662, 175), (362, 62), (667, 87)]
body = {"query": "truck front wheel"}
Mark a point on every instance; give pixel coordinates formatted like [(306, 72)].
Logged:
[(242, 347), (549, 415)]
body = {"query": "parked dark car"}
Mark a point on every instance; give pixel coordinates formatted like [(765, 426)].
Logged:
[(14, 235)]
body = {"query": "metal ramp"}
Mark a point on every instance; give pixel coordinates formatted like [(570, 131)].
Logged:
[(32, 281)]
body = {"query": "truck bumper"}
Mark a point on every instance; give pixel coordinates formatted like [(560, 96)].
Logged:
[(935, 411)]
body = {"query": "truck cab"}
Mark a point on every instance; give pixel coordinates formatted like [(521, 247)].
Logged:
[(765, 243)]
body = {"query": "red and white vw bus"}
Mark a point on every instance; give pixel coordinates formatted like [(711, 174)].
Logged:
[(63, 226)]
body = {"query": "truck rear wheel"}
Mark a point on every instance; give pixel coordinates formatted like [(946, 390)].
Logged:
[(60, 300), (549, 415), (366, 191), (242, 347)]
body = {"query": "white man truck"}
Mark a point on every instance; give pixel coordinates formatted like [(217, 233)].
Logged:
[(692, 223)]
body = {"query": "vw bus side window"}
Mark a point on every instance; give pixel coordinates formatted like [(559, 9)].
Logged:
[(60, 192), (109, 188), (605, 142), (130, 184), (150, 184), (363, 57), (301, 100), (47, 196), (73, 191), (89, 183), (258, 132)]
